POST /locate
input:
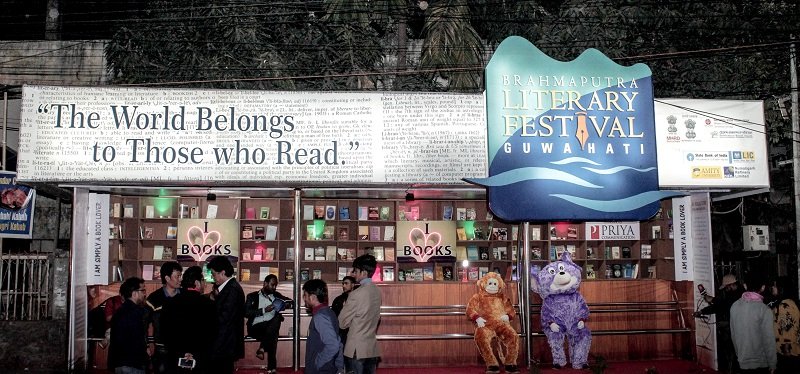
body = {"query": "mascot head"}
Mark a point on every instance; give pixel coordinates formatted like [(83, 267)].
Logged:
[(557, 277), (491, 283)]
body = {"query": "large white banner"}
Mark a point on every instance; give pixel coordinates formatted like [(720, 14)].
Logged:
[(191, 136), (711, 143), (682, 238), (97, 256)]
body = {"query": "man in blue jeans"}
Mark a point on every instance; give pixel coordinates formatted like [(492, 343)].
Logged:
[(361, 314)]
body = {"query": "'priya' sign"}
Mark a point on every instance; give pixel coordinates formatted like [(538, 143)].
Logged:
[(569, 140)]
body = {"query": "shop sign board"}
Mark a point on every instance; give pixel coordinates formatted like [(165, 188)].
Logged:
[(569, 140), (16, 207), (711, 143), (612, 231), (97, 232), (152, 136), (201, 239), (425, 241)]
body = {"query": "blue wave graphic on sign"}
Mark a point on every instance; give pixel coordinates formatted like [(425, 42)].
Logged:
[(569, 140)]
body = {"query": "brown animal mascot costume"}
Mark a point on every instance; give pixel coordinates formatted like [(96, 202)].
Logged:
[(492, 311)]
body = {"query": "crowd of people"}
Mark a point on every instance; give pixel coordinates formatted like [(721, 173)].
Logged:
[(758, 325), (198, 332)]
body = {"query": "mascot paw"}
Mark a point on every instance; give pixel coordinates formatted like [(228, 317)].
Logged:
[(556, 366), (504, 318), (480, 321), (580, 324), (554, 327), (511, 369), (493, 370)]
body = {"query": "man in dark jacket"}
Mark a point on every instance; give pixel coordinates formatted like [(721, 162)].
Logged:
[(229, 343), (263, 310), (720, 305), (128, 350), (323, 348), (182, 321), (170, 275)]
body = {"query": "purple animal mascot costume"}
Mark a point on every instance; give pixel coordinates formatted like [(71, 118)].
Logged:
[(564, 311)]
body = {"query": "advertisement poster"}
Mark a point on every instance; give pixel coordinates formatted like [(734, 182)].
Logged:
[(569, 140), (711, 143), (200, 239), (16, 207), (191, 136), (612, 230), (424, 241)]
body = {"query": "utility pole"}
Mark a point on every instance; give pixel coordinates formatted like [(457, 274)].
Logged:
[(795, 151)]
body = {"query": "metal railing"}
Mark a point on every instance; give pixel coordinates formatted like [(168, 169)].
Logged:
[(25, 287)]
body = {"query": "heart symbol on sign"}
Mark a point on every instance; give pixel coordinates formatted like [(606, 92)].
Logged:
[(417, 237), (197, 237)]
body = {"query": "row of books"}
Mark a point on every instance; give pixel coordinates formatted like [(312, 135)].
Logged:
[(329, 212), (251, 213), (610, 253), (655, 232), (618, 271), (486, 233), (257, 232), (334, 253), (371, 233), (483, 253), (118, 210)]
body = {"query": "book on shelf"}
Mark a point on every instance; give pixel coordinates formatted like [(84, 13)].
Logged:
[(319, 211), (651, 271), (447, 273), (572, 249), (617, 271), (330, 253), (589, 269), (341, 254), (427, 273), (670, 232), (112, 231), (316, 274), (385, 213), (269, 254), (330, 212), (499, 233), (128, 211), (158, 252), (194, 212), (417, 274), (290, 254), (148, 233), (116, 210), (474, 273), (344, 233), (388, 233), (117, 275), (388, 254), (572, 232), (388, 274), (495, 253), (616, 252), (447, 213), (373, 213), (401, 216), (250, 213), (363, 232), (659, 214), (167, 253), (147, 272), (247, 232), (211, 211), (308, 254), (513, 251), (258, 254), (628, 270), (656, 232), (503, 252), (288, 274), (472, 252), (591, 252), (461, 234), (272, 232), (482, 270), (635, 271), (626, 252), (319, 253), (461, 214), (363, 213), (245, 275), (471, 215), (305, 274), (438, 273), (344, 213), (308, 212), (401, 275), (341, 273), (328, 233), (374, 233), (514, 232), (264, 213), (378, 252), (311, 232), (413, 214), (536, 233), (483, 253), (536, 253), (246, 256), (259, 233), (647, 251), (149, 211), (172, 232), (477, 233)]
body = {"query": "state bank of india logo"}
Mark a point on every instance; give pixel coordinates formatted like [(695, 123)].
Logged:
[(569, 140)]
